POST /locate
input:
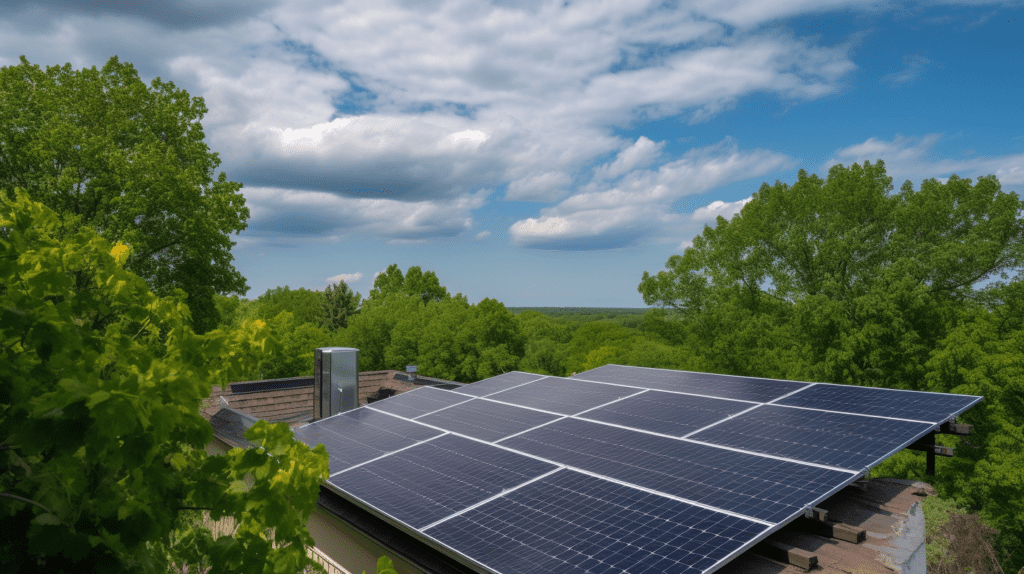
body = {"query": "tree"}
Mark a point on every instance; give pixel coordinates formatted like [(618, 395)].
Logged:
[(337, 305), (304, 305), (870, 279), (101, 438), (107, 152), (415, 282)]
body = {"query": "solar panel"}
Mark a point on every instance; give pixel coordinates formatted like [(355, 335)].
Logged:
[(913, 405), (667, 413), (418, 402), (573, 523), (451, 473), (359, 435), (707, 384), (486, 420), (498, 383), (754, 486), (835, 439), (563, 396), (617, 468)]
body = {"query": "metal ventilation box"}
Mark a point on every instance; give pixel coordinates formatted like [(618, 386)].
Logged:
[(335, 381)]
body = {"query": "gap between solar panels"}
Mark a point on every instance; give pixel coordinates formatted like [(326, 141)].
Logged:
[(617, 468)]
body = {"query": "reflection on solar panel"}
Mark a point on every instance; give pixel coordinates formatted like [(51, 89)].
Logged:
[(499, 383), (617, 468)]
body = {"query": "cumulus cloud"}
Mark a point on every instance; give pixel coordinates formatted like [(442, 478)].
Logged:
[(395, 118), (908, 157), (346, 277), (297, 216), (483, 235), (638, 207)]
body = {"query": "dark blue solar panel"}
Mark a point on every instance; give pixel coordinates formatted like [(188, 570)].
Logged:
[(486, 420), (748, 484), (667, 413), (360, 435), (565, 396), (419, 402), (573, 523), (498, 383), (918, 406), (847, 441), (711, 385), (431, 480)]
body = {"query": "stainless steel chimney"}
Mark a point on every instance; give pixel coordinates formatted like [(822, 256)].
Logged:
[(335, 381)]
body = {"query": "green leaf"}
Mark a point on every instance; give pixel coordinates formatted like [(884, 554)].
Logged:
[(97, 398), (46, 519)]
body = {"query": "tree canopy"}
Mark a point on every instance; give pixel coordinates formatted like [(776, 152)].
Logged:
[(100, 433), (107, 152), (425, 286), (337, 305)]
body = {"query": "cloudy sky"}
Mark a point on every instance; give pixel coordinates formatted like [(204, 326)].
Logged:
[(541, 152)]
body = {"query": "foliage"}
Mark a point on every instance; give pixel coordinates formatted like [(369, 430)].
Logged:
[(100, 387), (841, 281), (107, 152), (425, 286), (305, 306), (338, 303)]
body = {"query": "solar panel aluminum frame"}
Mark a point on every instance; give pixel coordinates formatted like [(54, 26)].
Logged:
[(409, 530)]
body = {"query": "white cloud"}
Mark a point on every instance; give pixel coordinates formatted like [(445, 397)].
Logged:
[(640, 154), (912, 158), (395, 118), (913, 66), (346, 277), (638, 208), (547, 186), (483, 235)]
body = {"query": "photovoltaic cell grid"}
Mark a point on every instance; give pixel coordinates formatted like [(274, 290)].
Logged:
[(707, 384), (918, 406), (755, 486), (419, 402), (433, 479), (835, 439), (503, 490), (486, 420), (563, 396), (498, 383), (360, 435), (573, 523), (667, 413)]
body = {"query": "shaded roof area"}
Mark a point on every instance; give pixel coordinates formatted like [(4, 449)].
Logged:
[(883, 507)]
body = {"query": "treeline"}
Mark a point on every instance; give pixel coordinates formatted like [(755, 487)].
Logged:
[(411, 319)]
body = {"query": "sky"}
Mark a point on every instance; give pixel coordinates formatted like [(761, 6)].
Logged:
[(539, 152)]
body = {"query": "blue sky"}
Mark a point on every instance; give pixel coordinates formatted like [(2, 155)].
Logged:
[(547, 153)]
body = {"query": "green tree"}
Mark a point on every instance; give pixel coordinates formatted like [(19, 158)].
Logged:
[(100, 433), (304, 305), (338, 304), (426, 286), (372, 328), (871, 280), (107, 152)]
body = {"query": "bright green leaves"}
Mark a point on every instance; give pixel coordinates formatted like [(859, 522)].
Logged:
[(107, 152), (100, 388)]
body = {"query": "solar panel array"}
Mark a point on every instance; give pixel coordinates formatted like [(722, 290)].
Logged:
[(617, 469)]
